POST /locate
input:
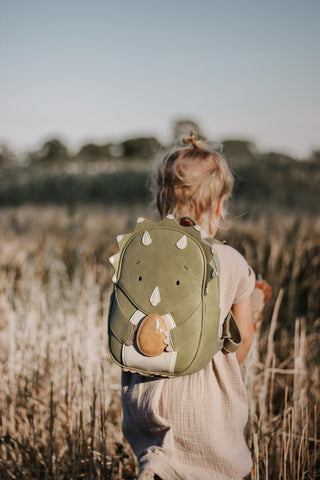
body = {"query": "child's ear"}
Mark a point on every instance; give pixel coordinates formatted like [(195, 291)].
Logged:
[(219, 206)]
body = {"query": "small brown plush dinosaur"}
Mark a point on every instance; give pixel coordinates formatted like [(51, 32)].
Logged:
[(260, 296)]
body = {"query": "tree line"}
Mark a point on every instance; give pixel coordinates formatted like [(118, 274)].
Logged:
[(267, 181), (142, 148)]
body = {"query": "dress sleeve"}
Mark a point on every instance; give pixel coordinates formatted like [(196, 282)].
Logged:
[(247, 280), (237, 277)]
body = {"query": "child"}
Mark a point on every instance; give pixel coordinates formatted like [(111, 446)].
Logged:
[(191, 427)]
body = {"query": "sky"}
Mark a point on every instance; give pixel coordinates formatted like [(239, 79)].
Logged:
[(101, 70)]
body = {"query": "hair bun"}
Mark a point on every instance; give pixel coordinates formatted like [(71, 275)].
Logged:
[(191, 139)]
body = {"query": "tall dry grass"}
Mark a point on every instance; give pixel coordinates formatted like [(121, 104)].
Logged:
[(59, 392)]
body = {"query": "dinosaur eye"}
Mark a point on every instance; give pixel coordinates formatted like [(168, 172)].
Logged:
[(178, 282), (140, 278)]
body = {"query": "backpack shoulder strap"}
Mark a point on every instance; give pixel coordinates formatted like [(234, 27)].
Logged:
[(231, 335), (213, 242)]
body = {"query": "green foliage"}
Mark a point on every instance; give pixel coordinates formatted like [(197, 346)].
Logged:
[(141, 147), (122, 187), (271, 185), (7, 157), (263, 181), (51, 151), (262, 186), (239, 152), (276, 159), (315, 156), (92, 151)]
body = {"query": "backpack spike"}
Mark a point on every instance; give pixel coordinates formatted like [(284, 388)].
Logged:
[(155, 297), (143, 225), (208, 251), (191, 230), (210, 272), (182, 243), (169, 220), (194, 233), (146, 239), (122, 239), (114, 260)]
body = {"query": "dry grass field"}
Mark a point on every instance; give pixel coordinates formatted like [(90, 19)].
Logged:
[(60, 415)]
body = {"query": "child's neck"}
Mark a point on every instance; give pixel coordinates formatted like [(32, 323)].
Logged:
[(208, 228)]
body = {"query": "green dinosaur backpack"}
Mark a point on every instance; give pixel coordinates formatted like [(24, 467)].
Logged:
[(164, 309)]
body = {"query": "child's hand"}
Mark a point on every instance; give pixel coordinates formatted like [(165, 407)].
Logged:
[(259, 298)]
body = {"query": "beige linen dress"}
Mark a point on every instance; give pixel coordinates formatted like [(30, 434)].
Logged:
[(191, 427)]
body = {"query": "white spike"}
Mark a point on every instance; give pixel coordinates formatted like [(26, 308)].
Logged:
[(114, 278), (156, 324), (169, 320), (170, 216), (119, 238), (197, 227), (111, 260), (146, 239), (182, 243), (136, 317), (155, 298), (140, 220), (169, 348)]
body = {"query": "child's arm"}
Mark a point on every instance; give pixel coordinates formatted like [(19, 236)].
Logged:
[(243, 314), (249, 315)]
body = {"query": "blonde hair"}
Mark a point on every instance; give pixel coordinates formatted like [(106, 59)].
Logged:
[(192, 179)]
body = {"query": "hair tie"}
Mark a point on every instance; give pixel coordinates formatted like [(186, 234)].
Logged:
[(191, 138)]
